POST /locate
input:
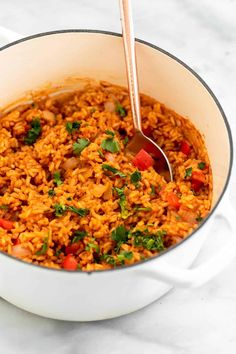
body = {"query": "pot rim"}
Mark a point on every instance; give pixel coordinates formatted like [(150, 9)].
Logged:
[(115, 34)]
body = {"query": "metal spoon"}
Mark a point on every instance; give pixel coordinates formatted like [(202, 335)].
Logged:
[(139, 140)]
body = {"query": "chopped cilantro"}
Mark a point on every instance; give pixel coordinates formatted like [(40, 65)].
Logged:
[(124, 255), (57, 178), (188, 172), (110, 132), (33, 134), (90, 246), (80, 145), (199, 218), (201, 165), (58, 252), (72, 126), (153, 190), (4, 207), (44, 248), (121, 110), (135, 177), (51, 192), (138, 208), (79, 211), (78, 235), (122, 202), (120, 234), (109, 259), (111, 145), (150, 241), (100, 153), (60, 209), (114, 170), (125, 140)]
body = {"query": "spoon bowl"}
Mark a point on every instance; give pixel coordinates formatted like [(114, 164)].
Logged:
[(160, 161), (139, 141)]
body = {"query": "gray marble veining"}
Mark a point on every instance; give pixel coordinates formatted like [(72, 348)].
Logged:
[(186, 321)]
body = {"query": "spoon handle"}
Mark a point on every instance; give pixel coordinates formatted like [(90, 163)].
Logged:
[(130, 60)]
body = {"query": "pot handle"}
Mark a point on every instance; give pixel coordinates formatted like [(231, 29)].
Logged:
[(201, 274), (8, 35)]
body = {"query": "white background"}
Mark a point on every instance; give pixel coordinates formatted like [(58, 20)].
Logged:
[(197, 321)]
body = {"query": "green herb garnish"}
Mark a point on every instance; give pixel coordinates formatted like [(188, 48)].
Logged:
[(201, 165), (90, 246), (78, 236), (135, 177), (124, 255), (51, 192), (120, 235), (60, 209), (80, 145), (4, 207), (34, 132), (153, 190), (122, 202), (150, 241), (57, 178), (100, 153), (109, 259), (121, 110), (58, 252), (125, 140), (138, 208), (78, 211), (110, 132), (188, 172), (199, 218), (114, 170), (111, 145), (44, 248), (72, 126)]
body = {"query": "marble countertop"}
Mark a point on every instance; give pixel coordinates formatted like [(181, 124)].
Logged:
[(186, 321)]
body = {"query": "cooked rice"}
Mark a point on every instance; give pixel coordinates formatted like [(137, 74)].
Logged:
[(26, 176)]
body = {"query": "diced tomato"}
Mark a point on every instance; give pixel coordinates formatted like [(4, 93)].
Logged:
[(72, 248), (16, 241), (147, 131), (6, 224), (151, 149), (187, 215), (185, 147), (70, 263), (173, 200), (143, 160), (197, 180)]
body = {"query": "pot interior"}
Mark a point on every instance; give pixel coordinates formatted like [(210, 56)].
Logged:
[(52, 57)]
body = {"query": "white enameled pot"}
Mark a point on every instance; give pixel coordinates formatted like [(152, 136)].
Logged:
[(27, 64)]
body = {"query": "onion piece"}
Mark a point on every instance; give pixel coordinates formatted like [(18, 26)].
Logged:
[(20, 251), (110, 106), (108, 192), (70, 164), (48, 116), (109, 157), (98, 190)]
